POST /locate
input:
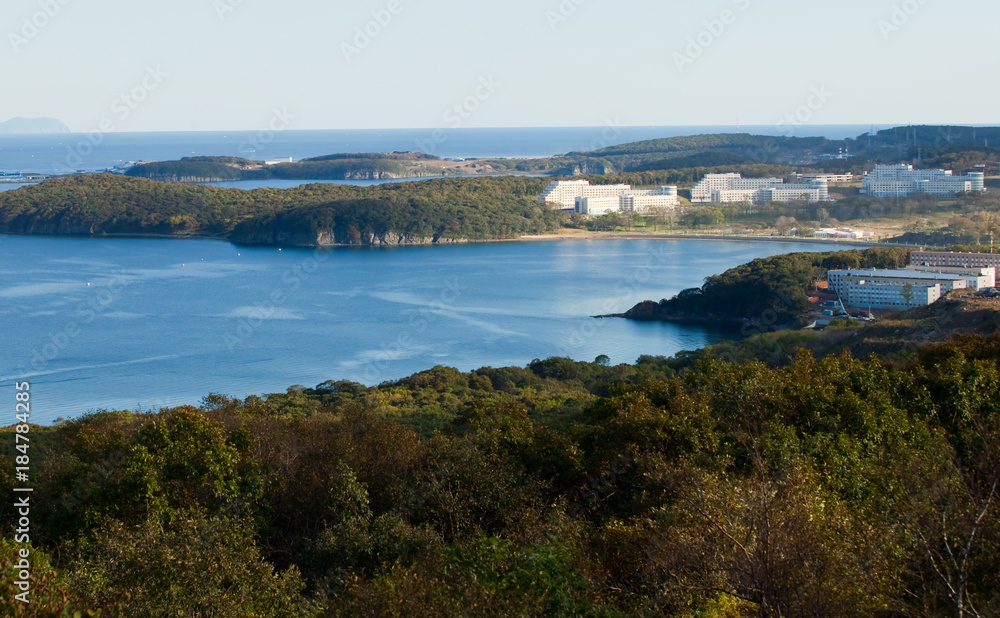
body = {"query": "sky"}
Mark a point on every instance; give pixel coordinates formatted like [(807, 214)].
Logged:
[(215, 65)]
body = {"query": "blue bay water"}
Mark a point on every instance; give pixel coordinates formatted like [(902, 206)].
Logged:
[(72, 152), (165, 322)]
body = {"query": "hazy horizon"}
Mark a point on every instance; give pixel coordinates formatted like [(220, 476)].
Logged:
[(213, 65)]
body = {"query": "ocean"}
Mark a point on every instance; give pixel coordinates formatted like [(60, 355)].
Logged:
[(69, 153), (144, 323)]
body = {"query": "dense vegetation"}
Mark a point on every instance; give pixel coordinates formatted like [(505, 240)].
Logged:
[(958, 148), (434, 210), (773, 289), (927, 146), (831, 487), (330, 167)]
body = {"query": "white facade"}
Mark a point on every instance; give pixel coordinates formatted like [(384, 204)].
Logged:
[(829, 178), (728, 188), (843, 233), (598, 205), (635, 200), (565, 192), (902, 181), (588, 199), (957, 260), (887, 289), (977, 278)]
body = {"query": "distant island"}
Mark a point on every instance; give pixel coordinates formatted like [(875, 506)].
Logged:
[(32, 126), (498, 199), (675, 159)]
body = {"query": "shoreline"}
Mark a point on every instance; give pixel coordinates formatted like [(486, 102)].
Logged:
[(583, 235), (578, 235)]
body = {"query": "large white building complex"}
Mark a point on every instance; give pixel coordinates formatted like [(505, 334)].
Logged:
[(929, 276), (727, 188), (587, 199), (892, 289), (956, 260), (902, 181)]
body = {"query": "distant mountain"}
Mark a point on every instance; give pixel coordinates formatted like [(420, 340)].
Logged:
[(20, 126)]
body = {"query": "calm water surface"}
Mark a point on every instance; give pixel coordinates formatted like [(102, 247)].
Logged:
[(139, 323)]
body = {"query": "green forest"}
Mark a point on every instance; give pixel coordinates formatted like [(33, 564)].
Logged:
[(777, 287), (957, 148), (833, 486), (330, 167), (429, 211)]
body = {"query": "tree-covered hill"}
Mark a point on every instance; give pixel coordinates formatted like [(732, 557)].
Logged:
[(331, 167), (431, 211), (776, 287), (924, 146), (824, 487)]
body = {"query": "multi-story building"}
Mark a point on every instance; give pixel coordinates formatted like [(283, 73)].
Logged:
[(588, 199), (902, 181), (957, 260), (565, 192), (841, 233), (598, 205), (637, 200), (892, 289), (829, 178), (977, 278), (728, 188)]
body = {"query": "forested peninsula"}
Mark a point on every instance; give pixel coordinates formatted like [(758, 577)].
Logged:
[(950, 146), (433, 211), (777, 286)]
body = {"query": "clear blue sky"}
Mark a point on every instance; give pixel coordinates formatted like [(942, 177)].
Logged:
[(579, 65)]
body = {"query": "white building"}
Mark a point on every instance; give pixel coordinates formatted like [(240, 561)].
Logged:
[(957, 260), (888, 289), (728, 188), (588, 199), (829, 178), (902, 181), (842, 233), (978, 279), (597, 205), (565, 192), (637, 200)]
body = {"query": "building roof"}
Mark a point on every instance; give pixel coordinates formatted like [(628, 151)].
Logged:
[(898, 274)]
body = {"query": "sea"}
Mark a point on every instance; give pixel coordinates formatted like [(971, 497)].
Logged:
[(89, 152), (141, 324)]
